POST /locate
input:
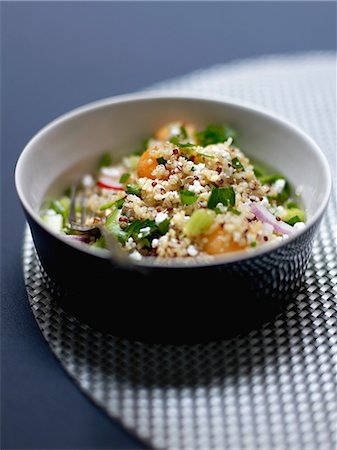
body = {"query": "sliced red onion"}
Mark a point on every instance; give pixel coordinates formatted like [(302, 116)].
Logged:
[(266, 216)]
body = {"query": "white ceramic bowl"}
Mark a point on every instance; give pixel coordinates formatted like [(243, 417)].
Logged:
[(76, 140)]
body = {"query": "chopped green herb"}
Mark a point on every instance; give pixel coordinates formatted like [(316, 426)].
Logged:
[(164, 226), (226, 196), (284, 194), (183, 132), (134, 230), (67, 192), (133, 188), (234, 211), (124, 178), (253, 244), (199, 222), (177, 138), (161, 160), (187, 145), (117, 203), (206, 156), (105, 160), (214, 134), (120, 203), (236, 163), (293, 220), (187, 197)]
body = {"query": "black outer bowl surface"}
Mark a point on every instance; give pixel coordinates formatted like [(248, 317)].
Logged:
[(173, 304)]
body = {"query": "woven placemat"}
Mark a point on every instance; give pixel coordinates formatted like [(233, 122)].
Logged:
[(274, 388)]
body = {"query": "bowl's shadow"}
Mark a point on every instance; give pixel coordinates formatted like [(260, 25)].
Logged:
[(136, 364)]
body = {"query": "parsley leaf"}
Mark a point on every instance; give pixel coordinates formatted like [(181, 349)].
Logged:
[(293, 220), (124, 178), (187, 197), (133, 188), (226, 196), (161, 160), (214, 134), (237, 164)]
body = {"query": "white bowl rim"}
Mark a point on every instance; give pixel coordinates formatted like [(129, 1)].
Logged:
[(234, 257)]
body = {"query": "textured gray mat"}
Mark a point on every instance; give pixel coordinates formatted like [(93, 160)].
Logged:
[(275, 388)]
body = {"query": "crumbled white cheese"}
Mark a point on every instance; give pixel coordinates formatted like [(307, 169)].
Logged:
[(299, 226), (199, 167), (136, 255), (160, 217), (192, 251), (154, 243), (279, 185), (143, 232), (196, 187), (88, 181)]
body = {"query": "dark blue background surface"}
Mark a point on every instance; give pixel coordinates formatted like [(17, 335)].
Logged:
[(57, 56)]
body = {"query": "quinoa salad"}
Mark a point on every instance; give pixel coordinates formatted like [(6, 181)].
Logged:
[(186, 193)]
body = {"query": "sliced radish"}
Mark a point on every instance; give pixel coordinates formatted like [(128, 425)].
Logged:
[(110, 183)]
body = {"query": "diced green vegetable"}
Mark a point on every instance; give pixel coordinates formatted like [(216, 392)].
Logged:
[(112, 225), (293, 212), (226, 196), (187, 197), (54, 221), (133, 188), (124, 178), (131, 161), (61, 206), (290, 205), (214, 134), (161, 160), (57, 206), (237, 164), (105, 160), (293, 220), (253, 244), (199, 222)]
